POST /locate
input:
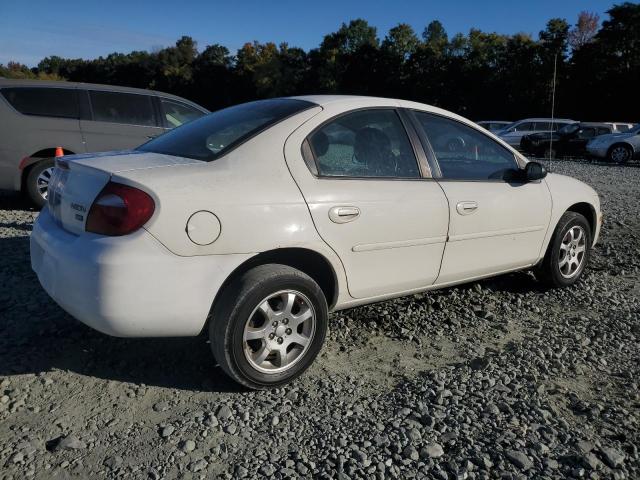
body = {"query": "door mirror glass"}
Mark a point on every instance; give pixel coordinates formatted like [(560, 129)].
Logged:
[(535, 171)]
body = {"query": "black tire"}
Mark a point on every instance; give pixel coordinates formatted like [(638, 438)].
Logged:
[(33, 186), (549, 271), (239, 300), (619, 153), (551, 153)]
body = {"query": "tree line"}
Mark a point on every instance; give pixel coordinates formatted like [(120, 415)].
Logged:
[(479, 75)]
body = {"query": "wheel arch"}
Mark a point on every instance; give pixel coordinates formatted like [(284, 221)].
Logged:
[(36, 157), (314, 264), (588, 211), (623, 144)]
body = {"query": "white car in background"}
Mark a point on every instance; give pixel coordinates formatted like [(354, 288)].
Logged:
[(616, 147), (512, 134), (254, 222)]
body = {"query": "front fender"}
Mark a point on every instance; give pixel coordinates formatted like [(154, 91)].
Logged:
[(567, 193)]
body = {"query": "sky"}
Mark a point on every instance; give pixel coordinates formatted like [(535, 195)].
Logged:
[(33, 29)]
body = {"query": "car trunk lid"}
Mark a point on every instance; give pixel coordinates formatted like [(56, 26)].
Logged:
[(77, 180)]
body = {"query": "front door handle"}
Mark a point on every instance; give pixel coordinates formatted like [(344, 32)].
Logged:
[(466, 208), (344, 214)]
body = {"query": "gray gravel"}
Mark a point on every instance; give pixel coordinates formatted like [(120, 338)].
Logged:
[(496, 379)]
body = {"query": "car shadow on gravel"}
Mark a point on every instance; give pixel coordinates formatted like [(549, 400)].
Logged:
[(15, 201), (37, 336)]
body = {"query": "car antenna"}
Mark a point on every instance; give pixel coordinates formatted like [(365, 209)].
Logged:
[(553, 105)]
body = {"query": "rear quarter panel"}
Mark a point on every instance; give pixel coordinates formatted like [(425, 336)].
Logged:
[(250, 190), (23, 135)]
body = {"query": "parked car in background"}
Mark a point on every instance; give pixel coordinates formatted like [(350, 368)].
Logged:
[(570, 140), (621, 126), (494, 125), (513, 133), (38, 116), (281, 210), (616, 147)]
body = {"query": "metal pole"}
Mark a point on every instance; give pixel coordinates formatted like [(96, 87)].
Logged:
[(553, 105)]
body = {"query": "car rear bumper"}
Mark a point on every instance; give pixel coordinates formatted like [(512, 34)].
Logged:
[(129, 286)]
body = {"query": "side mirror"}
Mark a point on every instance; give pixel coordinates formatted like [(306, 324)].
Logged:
[(534, 171)]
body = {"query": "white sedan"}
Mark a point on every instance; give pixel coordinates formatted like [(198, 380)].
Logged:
[(254, 222)]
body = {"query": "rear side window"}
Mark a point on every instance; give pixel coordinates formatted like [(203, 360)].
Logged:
[(49, 102), (464, 153), (367, 143), (177, 113), (125, 108), (215, 134)]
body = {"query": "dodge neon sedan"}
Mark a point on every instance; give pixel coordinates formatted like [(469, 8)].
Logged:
[(253, 222)]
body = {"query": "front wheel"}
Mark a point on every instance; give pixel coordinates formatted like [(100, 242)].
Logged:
[(268, 326), (568, 252)]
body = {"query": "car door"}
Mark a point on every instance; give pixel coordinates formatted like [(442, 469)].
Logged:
[(360, 176), (119, 120), (497, 223)]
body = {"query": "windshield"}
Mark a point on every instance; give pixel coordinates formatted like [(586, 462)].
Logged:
[(508, 126), (570, 128), (212, 136), (634, 130)]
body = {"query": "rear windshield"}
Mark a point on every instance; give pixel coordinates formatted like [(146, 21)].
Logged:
[(212, 136)]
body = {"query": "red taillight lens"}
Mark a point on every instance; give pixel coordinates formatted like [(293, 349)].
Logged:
[(119, 209)]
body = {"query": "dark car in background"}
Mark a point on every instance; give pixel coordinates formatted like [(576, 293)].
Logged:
[(38, 116), (570, 140)]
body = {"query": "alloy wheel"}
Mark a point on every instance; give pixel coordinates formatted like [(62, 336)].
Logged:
[(620, 154), (42, 182), (572, 252), (279, 331)]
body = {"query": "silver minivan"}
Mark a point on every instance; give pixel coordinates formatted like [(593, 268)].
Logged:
[(38, 116), (512, 134)]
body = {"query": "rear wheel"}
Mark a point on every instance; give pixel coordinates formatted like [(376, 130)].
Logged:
[(268, 326), (619, 153), (37, 182), (568, 252)]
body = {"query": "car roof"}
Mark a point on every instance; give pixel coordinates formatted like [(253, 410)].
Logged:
[(596, 124), (539, 119), (10, 82)]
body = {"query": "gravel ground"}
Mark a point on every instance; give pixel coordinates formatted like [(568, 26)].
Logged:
[(496, 379)]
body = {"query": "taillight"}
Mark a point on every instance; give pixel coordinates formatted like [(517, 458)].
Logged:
[(119, 209)]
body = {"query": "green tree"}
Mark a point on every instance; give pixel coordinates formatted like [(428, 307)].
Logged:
[(401, 41)]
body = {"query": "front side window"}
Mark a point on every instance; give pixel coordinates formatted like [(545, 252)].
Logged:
[(49, 102), (464, 153), (177, 113), (124, 108), (213, 135), (366, 143)]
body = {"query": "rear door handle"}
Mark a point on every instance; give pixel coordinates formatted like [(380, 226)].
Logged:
[(344, 214), (466, 208)]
